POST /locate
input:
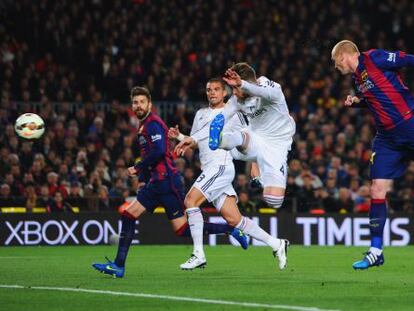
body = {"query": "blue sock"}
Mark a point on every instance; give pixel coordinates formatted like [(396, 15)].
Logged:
[(212, 228), (127, 234), (209, 228), (377, 218)]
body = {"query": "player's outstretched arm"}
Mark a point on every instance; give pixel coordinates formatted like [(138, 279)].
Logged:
[(174, 133), (270, 90), (187, 143), (391, 60)]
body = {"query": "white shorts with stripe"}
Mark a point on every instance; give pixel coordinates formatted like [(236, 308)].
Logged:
[(270, 157), (215, 182)]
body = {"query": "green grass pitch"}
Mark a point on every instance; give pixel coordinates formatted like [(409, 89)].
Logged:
[(317, 277)]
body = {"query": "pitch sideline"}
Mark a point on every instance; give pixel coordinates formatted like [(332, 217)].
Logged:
[(177, 298)]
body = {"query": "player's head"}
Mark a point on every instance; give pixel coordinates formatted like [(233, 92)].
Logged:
[(345, 56), (215, 91), (141, 102), (245, 71)]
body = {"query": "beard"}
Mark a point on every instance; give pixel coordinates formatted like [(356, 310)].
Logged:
[(142, 114)]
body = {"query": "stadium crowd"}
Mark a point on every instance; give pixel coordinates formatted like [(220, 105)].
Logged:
[(69, 57)]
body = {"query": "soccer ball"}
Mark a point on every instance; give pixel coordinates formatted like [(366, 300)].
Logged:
[(29, 126)]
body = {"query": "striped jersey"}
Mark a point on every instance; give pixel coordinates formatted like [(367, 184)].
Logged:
[(380, 87), (156, 158)]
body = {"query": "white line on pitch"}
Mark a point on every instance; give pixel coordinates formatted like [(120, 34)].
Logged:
[(177, 298)]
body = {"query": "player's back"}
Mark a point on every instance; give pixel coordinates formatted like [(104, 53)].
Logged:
[(269, 116), (200, 130), (153, 143)]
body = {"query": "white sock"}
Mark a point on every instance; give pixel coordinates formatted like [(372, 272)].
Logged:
[(196, 223), (231, 140), (249, 227), (375, 251)]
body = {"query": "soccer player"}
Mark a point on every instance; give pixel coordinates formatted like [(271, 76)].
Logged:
[(380, 89), (163, 185), (268, 138), (215, 182)]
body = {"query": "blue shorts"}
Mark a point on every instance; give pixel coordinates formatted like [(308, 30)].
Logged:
[(168, 193), (392, 151)]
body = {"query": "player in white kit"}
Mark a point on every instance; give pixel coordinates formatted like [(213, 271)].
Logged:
[(268, 138), (215, 181)]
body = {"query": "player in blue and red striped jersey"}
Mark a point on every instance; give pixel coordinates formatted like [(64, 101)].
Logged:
[(163, 185), (380, 88)]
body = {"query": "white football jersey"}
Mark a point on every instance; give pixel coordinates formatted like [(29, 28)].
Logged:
[(200, 133), (266, 110)]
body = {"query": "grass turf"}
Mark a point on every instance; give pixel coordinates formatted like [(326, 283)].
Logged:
[(316, 277)]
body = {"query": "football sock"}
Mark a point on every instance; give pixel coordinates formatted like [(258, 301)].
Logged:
[(127, 234), (212, 228), (249, 227), (196, 223), (209, 228), (377, 218)]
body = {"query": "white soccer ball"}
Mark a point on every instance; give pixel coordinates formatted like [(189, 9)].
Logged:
[(29, 126)]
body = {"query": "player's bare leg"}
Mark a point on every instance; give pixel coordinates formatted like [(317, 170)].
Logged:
[(231, 213), (197, 259)]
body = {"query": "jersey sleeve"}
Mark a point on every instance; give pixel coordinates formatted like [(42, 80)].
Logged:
[(194, 128), (267, 89), (391, 60), (157, 146)]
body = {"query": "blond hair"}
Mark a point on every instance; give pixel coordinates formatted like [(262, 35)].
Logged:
[(344, 46)]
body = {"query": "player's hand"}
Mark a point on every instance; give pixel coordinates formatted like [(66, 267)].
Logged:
[(351, 100), (173, 132), (232, 78), (184, 145), (132, 171)]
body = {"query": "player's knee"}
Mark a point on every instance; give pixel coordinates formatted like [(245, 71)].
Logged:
[(232, 220), (378, 190), (127, 214), (274, 201), (183, 230), (189, 201), (225, 142)]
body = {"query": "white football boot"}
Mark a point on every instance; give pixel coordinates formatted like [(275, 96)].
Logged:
[(194, 262), (281, 254)]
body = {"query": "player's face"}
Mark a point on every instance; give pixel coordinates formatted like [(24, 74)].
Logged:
[(141, 106), (341, 63), (215, 93)]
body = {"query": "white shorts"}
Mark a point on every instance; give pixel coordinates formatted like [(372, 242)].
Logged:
[(215, 182), (271, 159)]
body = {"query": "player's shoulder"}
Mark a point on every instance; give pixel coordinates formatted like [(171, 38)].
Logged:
[(265, 81), (154, 121), (202, 113), (378, 53)]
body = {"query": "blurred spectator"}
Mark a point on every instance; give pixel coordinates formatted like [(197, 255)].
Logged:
[(245, 205), (103, 196), (31, 197), (82, 93), (58, 204)]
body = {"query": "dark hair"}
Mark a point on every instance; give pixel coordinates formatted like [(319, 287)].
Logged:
[(139, 90), (245, 71), (217, 80)]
